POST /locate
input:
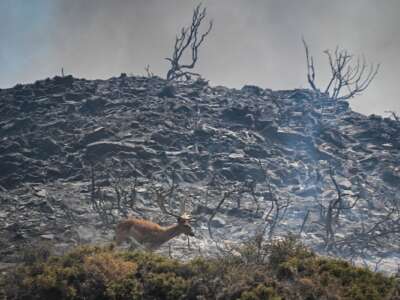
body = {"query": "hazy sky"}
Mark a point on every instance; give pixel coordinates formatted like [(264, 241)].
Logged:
[(253, 41)]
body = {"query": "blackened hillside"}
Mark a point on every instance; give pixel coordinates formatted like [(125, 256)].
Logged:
[(77, 155)]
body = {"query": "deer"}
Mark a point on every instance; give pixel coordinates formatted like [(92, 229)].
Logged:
[(149, 235)]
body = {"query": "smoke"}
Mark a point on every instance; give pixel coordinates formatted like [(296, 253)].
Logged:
[(253, 42)]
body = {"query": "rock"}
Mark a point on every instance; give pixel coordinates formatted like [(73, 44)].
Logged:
[(23, 93), (66, 81), (183, 109), (241, 172), (236, 155), (308, 192), (14, 162), (252, 90), (75, 96), (47, 236), (144, 152), (370, 162), (300, 95), (9, 146), (56, 89), (42, 204), (238, 114), (392, 177), (46, 146), (167, 91), (334, 137), (134, 125), (261, 124), (97, 134), (344, 183), (53, 172), (139, 91), (18, 124), (93, 105), (70, 108), (291, 137), (162, 137), (374, 117), (217, 222), (257, 151), (42, 193), (11, 181), (342, 106), (204, 131), (103, 148)]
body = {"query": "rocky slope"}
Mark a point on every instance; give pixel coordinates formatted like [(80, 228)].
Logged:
[(77, 155)]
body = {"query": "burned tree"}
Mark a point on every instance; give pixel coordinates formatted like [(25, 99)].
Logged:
[(350, 75), (394, 115), (334, 209), (189, 38), (276, 208), (113, 189)]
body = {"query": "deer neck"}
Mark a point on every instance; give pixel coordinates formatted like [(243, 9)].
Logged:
[(170, 232)]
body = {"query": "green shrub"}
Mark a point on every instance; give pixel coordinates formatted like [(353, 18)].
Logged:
[(260, 292), (356, 283), (283, 250), (286, 270), (165, 286)]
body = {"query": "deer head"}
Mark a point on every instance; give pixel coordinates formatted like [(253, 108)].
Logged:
[(183, 218), (184, 224)]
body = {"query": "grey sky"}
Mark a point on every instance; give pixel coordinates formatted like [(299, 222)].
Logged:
[(253, 41)]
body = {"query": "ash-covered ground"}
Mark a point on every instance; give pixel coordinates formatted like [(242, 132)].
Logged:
[(77, 155)]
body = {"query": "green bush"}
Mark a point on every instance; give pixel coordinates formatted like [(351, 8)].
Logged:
[(260, 292), (279, 270)]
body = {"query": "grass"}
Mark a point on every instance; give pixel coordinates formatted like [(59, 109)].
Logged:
[(257, 270)]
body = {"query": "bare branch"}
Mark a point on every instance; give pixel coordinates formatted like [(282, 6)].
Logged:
[(189, 37), (310, 67), (225, 196), (350, 75), (394, 115), (149, 73)]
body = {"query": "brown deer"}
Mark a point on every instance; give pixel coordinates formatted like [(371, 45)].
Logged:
[(150, 235)]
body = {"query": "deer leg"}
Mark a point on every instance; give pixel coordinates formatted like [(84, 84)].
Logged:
[(134, 244)]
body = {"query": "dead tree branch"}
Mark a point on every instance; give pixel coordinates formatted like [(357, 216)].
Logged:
[(189, 38), (394, 115), (113, 189), (149, 73), (310, 67), (331, 213), (276, 206), (350, 75), (372, 238), (226, 195)]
